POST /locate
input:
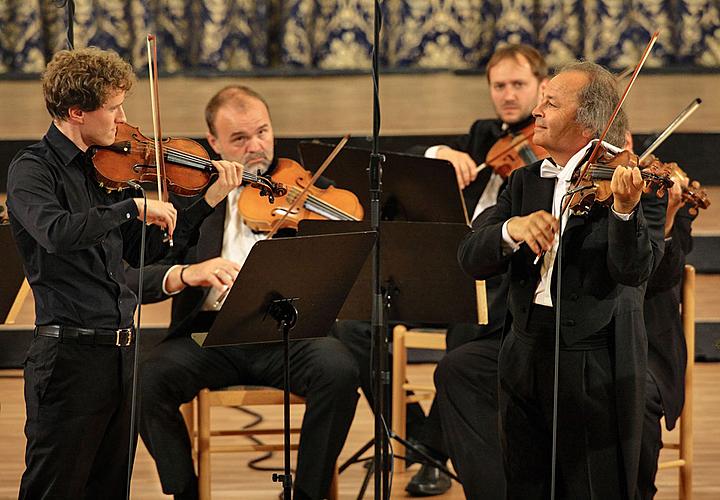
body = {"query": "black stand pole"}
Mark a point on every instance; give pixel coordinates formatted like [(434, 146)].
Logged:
[(378, 322), (283, 311)]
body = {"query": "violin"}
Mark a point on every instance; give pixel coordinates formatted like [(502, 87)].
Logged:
[(330, 203), (693, 194), (594, 187), (188, 168), (512, 151)]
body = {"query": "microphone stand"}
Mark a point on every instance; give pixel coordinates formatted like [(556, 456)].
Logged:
[(136, 351), (70, 14), (381, 382)]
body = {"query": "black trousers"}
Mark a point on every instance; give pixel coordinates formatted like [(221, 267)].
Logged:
[(322, 371), (651, 440), (589, 463), (467, 397), (77, 399)]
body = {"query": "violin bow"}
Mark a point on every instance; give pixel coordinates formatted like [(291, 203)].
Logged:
[(677, 121), (155, 106), (276, 226), (596, 150)]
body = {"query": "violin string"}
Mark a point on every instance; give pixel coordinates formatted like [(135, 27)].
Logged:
[(189, 158), (316, 205), (313, 202)]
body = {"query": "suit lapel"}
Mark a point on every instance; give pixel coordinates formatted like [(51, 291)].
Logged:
[(537, 191)]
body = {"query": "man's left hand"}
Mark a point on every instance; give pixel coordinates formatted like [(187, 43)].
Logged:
[(627, 187), (229, 177)]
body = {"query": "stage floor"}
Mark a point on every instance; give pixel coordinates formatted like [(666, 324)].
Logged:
[(232, 479)]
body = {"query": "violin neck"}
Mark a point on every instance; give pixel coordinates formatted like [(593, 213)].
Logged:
[(605, 173), (199, 163)]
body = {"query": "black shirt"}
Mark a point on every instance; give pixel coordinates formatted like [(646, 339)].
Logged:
[(73, 235)]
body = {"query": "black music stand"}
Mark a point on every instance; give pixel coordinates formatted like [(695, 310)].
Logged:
[(412, 185), (12, 276), (285, 285), (413, 255)]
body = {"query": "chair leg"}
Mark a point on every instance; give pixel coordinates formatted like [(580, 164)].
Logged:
[(203, 444), (686, 419), (187, 410), (399, 408)]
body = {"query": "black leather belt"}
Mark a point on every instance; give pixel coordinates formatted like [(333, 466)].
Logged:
[(122, 337)]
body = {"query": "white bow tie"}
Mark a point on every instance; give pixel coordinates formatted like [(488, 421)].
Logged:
[(549, 170)]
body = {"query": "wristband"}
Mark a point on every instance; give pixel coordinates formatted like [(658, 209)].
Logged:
[(181, 275)]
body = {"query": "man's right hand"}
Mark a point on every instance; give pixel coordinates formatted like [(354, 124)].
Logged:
[(218, 273), (159, 213), (537, 230), (465, 168)]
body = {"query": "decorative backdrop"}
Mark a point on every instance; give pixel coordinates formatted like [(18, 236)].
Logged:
[(196, 36)]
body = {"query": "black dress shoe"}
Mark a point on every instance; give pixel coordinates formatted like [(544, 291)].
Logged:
[(429, 481)]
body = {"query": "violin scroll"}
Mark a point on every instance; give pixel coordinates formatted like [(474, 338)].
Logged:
[(692, 193)]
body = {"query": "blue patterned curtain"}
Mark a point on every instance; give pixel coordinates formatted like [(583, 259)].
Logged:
[(249, 35)]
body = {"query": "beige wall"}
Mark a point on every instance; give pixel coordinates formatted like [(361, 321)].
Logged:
[(438, 103)]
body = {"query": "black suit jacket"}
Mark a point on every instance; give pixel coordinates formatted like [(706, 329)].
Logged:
[(667, 352), (606, 262)]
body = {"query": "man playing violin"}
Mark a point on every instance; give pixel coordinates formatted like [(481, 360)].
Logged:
[(73, 237), (607, 257), (322, 370), (516, 75), (667, 351), (466, 378)]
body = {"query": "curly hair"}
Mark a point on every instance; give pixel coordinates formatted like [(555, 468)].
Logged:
[(85, 78)]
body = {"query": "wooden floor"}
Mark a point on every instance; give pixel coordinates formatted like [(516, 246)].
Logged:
[(233, 480)]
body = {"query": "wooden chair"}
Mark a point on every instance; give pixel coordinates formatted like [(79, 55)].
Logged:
[(418, 338), (404, 339), (684, 462), (197, 417)]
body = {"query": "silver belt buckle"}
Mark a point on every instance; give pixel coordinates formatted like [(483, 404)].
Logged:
[(123, 337)]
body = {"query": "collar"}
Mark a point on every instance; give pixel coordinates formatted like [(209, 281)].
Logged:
[(578, 158), (66, 150)]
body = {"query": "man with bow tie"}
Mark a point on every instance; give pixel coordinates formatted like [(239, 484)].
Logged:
[(606, 259)]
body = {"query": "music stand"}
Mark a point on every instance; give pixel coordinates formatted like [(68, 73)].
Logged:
[(413, 255), (13, 287), (412, 185), (285, 285)]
